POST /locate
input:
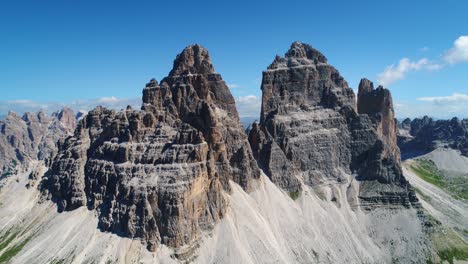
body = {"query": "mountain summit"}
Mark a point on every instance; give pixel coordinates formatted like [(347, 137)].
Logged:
[(317, 180), (158, 174), (194, 59), (310, 132)]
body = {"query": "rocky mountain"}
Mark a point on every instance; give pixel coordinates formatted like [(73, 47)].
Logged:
[(317, 180), (33, 136), (423, 135), (311, 131), (158, 173)]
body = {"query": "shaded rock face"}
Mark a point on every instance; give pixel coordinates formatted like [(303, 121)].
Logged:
[(31, 137), (405, 124), (378, 105), (310, 132), (158, 173), (426, 134)]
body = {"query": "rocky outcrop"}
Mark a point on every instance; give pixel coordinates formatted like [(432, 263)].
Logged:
[(426, 134), (31, 137), (158, 173), (378, 105), (405, 124), (311, 131)]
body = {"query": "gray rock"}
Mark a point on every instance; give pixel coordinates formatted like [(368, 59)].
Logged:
[(159, 173), (310, 132), (32, 137), (427, 134)]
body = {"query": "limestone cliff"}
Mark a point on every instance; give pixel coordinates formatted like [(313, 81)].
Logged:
[(158, 173), (426, 134), (32, 137), (378, 105), (310, 132)]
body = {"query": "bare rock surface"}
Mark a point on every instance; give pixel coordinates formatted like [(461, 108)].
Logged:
[(158, 173), (427, 134), (378, 105), (33, 136), (180, 175), (312, 132)]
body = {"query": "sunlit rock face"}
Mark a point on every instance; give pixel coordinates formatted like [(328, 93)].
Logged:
[(33, 136), (158, 173), (378, 105), (311, 131)]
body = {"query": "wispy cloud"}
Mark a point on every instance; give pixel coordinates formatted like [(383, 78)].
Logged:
[(459, 52), (233, 85), (108, 100), (25, 105), (248, 106), (397, 72), (436, 106), (456, 97)]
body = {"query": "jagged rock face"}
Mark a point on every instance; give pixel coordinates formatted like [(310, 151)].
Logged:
[(310, 132), (302, 79), (159, 173), (32, 137), (405, 124), (418, 123), (427, 134), (378, 105)]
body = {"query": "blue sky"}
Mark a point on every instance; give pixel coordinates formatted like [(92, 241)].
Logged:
[(83, 53)]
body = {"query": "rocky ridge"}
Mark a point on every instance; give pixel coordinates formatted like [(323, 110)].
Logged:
[(423, 135), (312, 132), (33, 136), (182, 165), (158, 173), (378, 105)]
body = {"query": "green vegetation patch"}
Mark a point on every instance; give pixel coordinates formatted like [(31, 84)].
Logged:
[(6, 238), (422, 195), (57, 261), (10, 252), (6, 174), (294, 195), (450, 246), (428, 171)]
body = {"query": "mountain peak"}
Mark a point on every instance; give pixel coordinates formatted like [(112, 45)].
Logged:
[(299, 54), (305, 51), (194, 59), (365, 86)]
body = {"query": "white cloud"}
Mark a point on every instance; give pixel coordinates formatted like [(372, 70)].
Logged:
[(397, 72), (248, 106), (457, 54), (443, 107), (232, 85), (25, 105), (107, 100), (459, 51), (454, 98)]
